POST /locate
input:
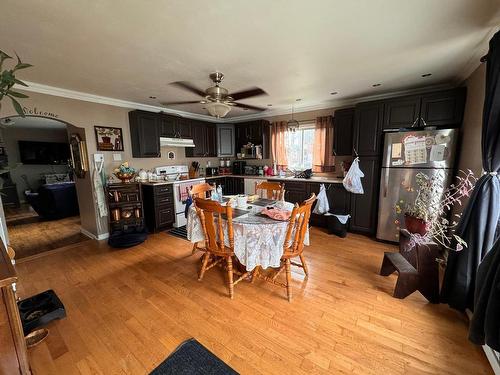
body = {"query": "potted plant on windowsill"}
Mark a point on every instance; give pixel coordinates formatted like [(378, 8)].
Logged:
[(8, 80)]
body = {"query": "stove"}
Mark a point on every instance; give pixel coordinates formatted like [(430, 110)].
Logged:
[(179, 176)]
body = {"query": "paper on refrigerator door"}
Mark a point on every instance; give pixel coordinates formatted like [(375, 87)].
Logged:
[(438, 153), (396, 150), (415, 150)]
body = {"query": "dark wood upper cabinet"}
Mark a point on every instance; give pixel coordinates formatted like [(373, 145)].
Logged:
[(204, 136), (368, 128), (174, 126), (343, 122), (364, 206), (167, 126), (211, 139), (401, 112), (443, 108), (144, 134), (257, 132), (184, 128)]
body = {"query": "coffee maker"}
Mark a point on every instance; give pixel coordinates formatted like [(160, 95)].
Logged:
[(239, 167)]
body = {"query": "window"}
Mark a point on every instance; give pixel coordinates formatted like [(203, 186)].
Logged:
[(299, 147)]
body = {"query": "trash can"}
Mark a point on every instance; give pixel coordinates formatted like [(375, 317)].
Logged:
[(337, 224)]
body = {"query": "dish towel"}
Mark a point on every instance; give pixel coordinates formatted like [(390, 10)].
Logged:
[(184, 190)]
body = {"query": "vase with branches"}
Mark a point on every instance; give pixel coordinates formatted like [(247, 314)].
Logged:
[(8, 79), (431, 209)]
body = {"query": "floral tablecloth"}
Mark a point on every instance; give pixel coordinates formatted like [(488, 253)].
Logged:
[(258, 240)]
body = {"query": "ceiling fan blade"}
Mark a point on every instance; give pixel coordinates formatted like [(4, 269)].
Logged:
[(185, 102), (241, 105), (248, 93), (189, 87)]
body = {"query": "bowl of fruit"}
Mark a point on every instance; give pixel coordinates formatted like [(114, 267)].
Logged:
[(125, 173)]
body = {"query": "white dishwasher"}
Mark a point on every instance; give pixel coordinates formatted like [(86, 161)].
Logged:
[(250, 185)]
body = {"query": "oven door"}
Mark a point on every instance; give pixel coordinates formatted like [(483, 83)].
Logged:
[(180, 195)]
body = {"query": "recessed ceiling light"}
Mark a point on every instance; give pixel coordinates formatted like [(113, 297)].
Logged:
[(203, 107), (334, 93), (376, 85), (152, 97), (269, 105), (426, 75), (298, 100)]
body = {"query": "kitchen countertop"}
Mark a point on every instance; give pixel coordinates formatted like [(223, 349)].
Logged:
[(319, 179)]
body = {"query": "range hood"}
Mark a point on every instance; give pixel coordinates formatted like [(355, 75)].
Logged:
[(176, 142)]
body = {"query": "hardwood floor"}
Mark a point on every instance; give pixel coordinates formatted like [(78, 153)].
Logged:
[(30, 235), (129, 309)]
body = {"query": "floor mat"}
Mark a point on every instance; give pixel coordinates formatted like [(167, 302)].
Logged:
[(193, 358), (179, 232)]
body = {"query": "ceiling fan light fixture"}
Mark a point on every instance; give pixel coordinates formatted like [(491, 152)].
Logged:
[(218, 109)]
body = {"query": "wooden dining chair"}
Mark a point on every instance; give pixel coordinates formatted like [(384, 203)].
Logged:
[(274, 190), (212, 215), (200, 190), (292, 247)]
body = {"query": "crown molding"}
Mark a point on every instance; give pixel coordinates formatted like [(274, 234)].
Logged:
[(480, 50), (335, 104), (340, 103), (78, 95)]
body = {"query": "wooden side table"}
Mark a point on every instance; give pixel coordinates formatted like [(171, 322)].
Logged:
[(13, 351), (417, 268)]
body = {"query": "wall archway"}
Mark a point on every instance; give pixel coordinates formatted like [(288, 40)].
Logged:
[(83, 185)]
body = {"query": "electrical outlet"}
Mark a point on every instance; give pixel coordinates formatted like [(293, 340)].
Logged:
[(117, 157), (98, 158)]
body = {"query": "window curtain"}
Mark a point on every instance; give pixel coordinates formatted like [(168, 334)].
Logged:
[(278, 147), (323, 159), (472, 277)]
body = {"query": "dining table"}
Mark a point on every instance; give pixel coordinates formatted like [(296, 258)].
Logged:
[(258, 239)]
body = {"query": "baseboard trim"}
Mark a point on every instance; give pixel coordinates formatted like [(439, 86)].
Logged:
[(100, 237), (493, 358)]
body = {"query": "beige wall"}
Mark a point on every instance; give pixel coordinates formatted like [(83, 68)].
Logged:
[(470, 155)]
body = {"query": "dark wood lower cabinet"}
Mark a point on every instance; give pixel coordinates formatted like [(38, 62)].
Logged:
[(364, 206), (159, 209)]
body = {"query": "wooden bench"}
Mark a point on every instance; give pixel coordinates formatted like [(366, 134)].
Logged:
[(416, 266), (408, 277)]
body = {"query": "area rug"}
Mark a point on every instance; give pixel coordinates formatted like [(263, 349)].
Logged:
[(179, 232), (192, 358)]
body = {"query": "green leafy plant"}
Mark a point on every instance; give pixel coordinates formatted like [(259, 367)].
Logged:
[(8, 80)]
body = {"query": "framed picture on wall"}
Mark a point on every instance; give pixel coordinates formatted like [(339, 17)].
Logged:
[(108, 138)]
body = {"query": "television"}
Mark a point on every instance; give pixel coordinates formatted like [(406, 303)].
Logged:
[(47, 153)]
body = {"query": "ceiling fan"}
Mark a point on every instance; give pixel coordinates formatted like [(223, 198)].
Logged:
[(218, 101)]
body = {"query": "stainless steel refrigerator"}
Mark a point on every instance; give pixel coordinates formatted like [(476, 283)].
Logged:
[(406, 154)]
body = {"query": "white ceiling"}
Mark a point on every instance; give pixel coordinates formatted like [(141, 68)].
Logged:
[(130, 50)]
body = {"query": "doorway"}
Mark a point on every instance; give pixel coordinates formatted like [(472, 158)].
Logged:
[(37, 186)]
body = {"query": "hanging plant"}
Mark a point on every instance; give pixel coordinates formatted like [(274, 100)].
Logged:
[(8, 80)]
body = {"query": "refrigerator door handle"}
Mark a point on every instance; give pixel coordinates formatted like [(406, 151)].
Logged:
[(386, 181)]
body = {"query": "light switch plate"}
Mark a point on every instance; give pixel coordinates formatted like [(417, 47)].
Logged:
[(117, 157)]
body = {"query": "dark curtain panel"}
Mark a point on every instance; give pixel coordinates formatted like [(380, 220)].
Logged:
[(479, 221)]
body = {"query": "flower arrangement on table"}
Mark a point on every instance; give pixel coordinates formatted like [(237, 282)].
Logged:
[(425, 217), (124, 172)]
